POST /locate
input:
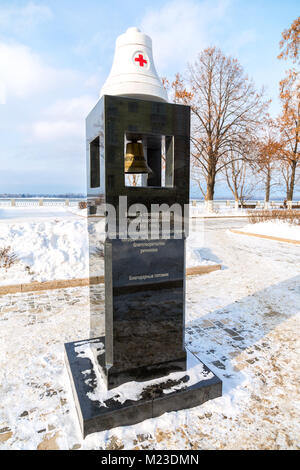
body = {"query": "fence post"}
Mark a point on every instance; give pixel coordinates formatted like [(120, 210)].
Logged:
[(289, 204), (13, 202), (67, 202), (41, 202), (209, 205)]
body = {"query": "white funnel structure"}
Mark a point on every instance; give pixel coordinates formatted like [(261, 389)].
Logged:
[(133, 73)]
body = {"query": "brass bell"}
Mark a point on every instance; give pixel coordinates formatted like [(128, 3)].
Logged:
[(135, 162)]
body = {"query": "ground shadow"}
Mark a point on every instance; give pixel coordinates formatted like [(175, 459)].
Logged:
[(219, 336), (207, 255)]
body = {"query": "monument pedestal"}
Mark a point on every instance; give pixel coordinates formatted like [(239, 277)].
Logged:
[(100, 409), (141, 368)]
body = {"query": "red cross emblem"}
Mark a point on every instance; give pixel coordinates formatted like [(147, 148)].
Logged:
[(140, 59)]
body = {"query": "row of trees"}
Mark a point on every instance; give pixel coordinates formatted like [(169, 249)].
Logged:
[(233, 137)]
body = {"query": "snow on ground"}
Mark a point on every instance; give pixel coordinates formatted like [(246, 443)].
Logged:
[(222, 211), (242, 321), (133, 390), (277, 228), (46, 250), (34, 212), (52, 244)]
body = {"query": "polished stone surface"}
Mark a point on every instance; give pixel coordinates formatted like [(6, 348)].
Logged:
[(144, 308), (114, 118), (145, 278), (105, 411)]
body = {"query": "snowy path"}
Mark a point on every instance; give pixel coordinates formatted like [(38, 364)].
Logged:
[(242, 321)]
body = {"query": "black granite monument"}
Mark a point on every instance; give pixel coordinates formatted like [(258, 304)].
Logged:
[(139, 338)]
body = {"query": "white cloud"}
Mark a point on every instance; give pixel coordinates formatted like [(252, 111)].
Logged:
[(65, 119), (74, 108), (53, 130), (245, 37), (24, 73), (181, 29), (24, 18), (85, 47), (2, 93), (96, 80)]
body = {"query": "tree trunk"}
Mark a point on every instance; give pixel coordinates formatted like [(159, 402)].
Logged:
[(290, 192), (268, 185), (210, 191), (210, 182)]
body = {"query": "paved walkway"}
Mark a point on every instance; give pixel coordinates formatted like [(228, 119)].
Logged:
[(243, 322)]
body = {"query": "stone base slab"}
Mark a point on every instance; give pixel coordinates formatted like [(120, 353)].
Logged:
[(133, 402)]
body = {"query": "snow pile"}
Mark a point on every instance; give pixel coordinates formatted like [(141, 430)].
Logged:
[(133, 390), (50, 250), (217, 211), (57, 248), (194, 250), (276, 228)]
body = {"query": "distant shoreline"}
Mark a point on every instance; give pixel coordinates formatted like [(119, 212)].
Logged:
[(84, 197), (40, 196)]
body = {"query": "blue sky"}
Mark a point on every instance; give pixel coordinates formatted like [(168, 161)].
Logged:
[(56, 54)]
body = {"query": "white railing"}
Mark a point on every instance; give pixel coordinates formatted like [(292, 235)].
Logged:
[(39, 202), (5, 202), (53, 203), (230, 203), (199, 208), (194, 203)]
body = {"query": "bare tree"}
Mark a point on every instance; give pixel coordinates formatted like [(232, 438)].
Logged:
[(291, 177), (268, 150), (226, 110), (289, 120), (290, 42), (239, 176), (289, 124)]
